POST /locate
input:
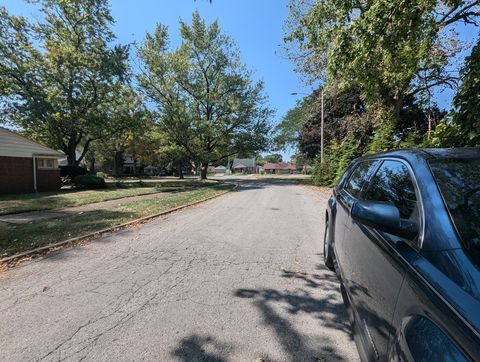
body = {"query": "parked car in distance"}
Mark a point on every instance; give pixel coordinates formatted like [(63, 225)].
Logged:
[(403, 235)]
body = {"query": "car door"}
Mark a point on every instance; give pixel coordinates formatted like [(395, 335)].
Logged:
[(347, 194), (376, 267)]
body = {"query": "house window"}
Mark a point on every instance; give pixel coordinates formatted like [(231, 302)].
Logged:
[(45, 163)]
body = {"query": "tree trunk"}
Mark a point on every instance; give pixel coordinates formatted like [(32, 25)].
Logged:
[(92, 165), (117, 162), (398, 105), (204, 170), (71, 152), (180, 170)]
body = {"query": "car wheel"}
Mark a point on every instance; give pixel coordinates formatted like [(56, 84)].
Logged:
[(327, 249)]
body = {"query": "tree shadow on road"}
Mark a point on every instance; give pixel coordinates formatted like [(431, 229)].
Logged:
[(201, 348), (328, 309)]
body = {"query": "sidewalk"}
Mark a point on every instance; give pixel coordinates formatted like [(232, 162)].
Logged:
[(31, 216)]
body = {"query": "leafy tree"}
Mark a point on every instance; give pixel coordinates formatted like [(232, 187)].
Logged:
[(467, 100), (392, 49), (173, 158), (272, 158), (338, 156), (288, 131), (349, 131), (208, 103), (299, 160), (461, 127), (61, 80), (342, 111)]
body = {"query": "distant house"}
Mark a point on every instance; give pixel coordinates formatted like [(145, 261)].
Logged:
[(220, 170), (150, 171), (280, 168), (27, 166), (244, 165), (63, 161), (130, 165)]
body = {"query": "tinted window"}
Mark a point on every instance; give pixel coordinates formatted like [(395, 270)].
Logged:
[(459, 183), (358, 178), (392, 183)]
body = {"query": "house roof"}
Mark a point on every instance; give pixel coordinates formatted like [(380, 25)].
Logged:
[(14, 145), (279, 166), (243, 163)]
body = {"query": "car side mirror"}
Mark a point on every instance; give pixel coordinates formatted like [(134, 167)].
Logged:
[(384, 217)]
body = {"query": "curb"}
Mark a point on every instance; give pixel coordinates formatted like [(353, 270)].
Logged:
[(13, 260)]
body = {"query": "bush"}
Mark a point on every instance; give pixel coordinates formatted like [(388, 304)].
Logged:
[(120, 184), (337, 158), (89, 182), (101, 174), (72, 171)]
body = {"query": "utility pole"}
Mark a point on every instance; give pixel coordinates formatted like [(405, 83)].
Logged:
[(321, 122), (321, 132)]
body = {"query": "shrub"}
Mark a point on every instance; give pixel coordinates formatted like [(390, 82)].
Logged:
[(89, 182), (337, 158), (101, 174), (72, 171), (120, 184)]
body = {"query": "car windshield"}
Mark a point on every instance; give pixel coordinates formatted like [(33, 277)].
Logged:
[(459, 183)]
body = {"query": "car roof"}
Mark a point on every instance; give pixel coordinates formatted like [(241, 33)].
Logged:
[(430, 153)]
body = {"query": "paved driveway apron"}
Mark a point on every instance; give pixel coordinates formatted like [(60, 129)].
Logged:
[(234, 279)]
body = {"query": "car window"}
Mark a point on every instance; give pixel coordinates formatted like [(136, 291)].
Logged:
[(459, 183), (358, 178), (392, 183)]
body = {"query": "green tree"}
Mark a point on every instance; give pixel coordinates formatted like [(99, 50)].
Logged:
[(462, 126), (466, 119), (271, 158), (140, 139), (392, 49), (288, 131), (208, 103), (61, 80), (343, 110)]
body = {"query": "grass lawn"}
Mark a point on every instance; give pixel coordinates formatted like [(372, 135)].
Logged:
[(10, 204), (15, 238)]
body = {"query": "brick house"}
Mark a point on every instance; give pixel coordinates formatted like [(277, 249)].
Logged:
[(244, 165), (27, 166), (280, 168)]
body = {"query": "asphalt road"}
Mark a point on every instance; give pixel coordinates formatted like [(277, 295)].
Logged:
[(237, 278)]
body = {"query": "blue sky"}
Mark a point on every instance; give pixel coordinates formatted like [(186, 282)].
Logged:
[(255, 25)]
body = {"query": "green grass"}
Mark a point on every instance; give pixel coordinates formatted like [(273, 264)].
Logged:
[(16, 238), (10, 204)]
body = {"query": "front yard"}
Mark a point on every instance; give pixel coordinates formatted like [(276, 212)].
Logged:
[(16, 238), (11, 204)]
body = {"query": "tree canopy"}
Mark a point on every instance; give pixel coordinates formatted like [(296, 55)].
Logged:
[(205, 97), (391, 49), (380, 63), (62, 81)]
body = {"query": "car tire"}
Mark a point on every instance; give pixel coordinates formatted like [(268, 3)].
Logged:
[(327, 248)]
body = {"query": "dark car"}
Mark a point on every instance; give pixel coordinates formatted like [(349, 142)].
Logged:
[(403, 234)]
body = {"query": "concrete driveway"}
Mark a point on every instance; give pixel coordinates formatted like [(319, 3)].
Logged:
[(234, 279)]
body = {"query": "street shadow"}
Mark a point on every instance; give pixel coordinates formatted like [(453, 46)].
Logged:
[(201, 348), (328, 309)]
